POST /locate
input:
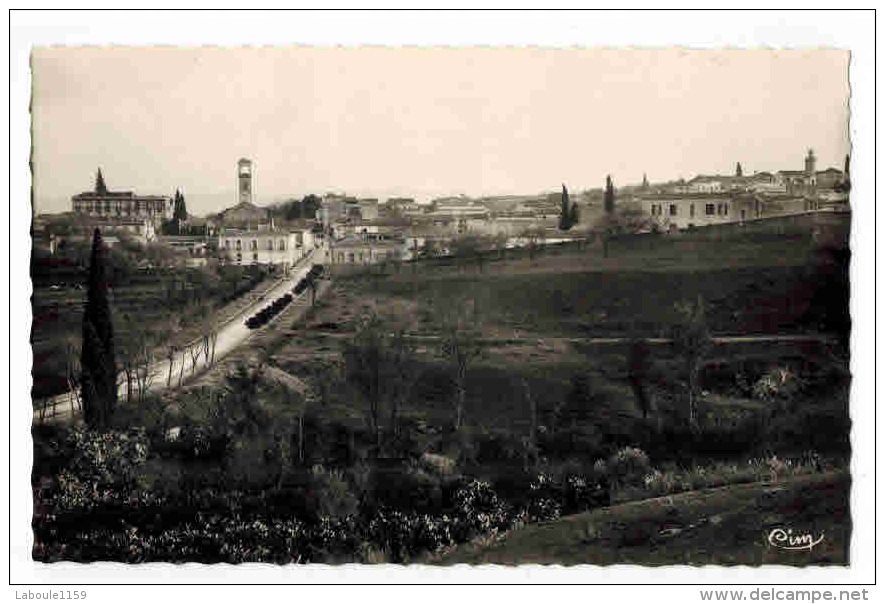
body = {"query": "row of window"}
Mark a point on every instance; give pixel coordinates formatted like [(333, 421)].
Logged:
[(240, 258), (711, 209), (253, 244), (360, 257), (107, 207)]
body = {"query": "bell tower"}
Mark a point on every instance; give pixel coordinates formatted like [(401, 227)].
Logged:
[(810, 161), (245, 181)]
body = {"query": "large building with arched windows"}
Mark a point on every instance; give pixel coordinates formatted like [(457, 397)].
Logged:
[(122, 205)]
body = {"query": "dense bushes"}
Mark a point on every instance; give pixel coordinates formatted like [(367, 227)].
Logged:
[(268, 312), (117, 500), (310, 278), (101, 508)]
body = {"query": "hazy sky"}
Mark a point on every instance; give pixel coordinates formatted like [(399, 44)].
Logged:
[(423, 122)]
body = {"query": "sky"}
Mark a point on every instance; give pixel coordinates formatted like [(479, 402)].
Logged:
[(422, 122)]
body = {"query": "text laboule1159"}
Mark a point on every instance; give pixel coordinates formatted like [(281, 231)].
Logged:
[(48, 594)]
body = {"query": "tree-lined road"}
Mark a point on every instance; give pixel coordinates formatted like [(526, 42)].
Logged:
[(187, 362)]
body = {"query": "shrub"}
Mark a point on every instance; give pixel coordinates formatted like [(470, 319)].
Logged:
[(495, 447), (480, 509), (333, 495), (628, 467), (778, 384), (574, 441), (102, 469), (108, 458), (404, 488), (544, 501), (192, 443)]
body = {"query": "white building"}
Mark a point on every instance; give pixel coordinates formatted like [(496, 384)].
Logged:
[(670, 212), (268, 246)]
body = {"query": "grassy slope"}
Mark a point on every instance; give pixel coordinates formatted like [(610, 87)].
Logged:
[(759, 286), (727, 525), (765, 286)]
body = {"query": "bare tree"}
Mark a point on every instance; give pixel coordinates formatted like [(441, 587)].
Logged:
[(129, 352), (208, 332), (181, 367), (692, 341), (378, 366), (172, 349), (312, 284), (638, 367), (461, 346), (402, 370), (500, 242), (534, 236), (532, 442), (467, 250), (72, 369), (364, 362), (627, 219), (286, 423), (194, 350), (144, 359)]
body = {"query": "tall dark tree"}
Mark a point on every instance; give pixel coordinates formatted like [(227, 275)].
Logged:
[(100, 187), (292, 209), (310, 204), (608, 199), (99, 371), (644, 181), (738, 171), (180, 207), (565, 211)]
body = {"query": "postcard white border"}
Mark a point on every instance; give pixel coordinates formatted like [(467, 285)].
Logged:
[(853, 31)]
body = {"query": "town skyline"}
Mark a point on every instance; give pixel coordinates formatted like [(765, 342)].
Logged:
[(321, 120), (219, 200)]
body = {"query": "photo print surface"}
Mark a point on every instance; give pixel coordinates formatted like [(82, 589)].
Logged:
[(426, 305)]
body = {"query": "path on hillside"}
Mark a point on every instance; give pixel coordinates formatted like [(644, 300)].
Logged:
[(553, 340), (63, 407), (733, 524)]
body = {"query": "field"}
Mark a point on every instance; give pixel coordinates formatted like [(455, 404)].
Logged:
[(546, 422), (537, 323)]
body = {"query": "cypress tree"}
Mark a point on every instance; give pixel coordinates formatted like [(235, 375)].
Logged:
[(99, 370), (565, 212), (609, 197), (738, 171), (100, 187), (180, 208)]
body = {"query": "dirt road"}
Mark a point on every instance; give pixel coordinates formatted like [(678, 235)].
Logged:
[(189, 361)]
